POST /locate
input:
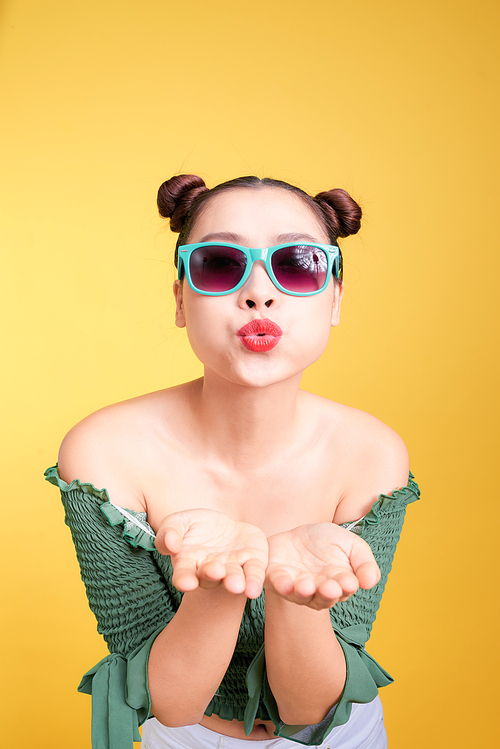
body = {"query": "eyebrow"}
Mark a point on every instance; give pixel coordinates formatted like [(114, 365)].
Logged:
[(296, 237), (224, 236), (230, 236)]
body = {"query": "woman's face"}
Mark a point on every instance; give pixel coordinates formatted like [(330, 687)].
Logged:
[(257, 218)]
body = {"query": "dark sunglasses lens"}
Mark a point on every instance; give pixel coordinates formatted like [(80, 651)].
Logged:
[(301, 268), (217, 268)]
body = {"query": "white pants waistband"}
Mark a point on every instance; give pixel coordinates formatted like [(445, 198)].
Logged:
[(364, 730)]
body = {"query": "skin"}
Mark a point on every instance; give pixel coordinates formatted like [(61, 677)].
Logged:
[(245, 479)]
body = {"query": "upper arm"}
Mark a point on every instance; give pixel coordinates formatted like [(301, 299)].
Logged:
[(387, 461), (75, 454), (126, 588)]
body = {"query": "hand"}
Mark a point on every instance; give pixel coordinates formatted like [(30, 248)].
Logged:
[(319, 565), (209, 549)]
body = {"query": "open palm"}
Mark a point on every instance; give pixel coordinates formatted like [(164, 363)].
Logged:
[(318, 565), (208, 548)]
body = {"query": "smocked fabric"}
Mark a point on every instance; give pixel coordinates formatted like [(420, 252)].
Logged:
[(130, 591)]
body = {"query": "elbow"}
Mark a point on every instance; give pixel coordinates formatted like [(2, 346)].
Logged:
[(174, 716), (306, 715), (176, 720), (302, 718)]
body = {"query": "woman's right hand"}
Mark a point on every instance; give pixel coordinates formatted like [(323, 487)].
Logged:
[(209, 549)]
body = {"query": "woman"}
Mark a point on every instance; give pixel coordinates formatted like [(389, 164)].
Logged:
[(245, 480)]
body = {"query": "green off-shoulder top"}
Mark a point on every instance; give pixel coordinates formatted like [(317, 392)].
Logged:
[(130, 591)]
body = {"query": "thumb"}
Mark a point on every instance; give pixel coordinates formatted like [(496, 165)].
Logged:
[(171, 533), (363, 564)]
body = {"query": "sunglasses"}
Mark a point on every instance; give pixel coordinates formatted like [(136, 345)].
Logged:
[(297, 268)]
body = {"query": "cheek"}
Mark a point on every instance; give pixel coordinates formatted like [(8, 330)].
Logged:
[(206, 326), (317, 312), (318, 337), (311, 325)]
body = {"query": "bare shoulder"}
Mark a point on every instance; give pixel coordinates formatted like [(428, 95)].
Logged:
[(107, 447), (372, 458), (377, 445)]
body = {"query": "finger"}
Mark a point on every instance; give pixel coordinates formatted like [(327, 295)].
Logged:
[(330, 592), (347, 581), (255, 573), (169, 541), (324, 593), (210, 571), (234, 580), (281, 581), (363, 563), (184, 577), (305, 587), (368, 575), (171, 534)]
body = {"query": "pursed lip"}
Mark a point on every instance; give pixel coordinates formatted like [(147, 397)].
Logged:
[(260, 335)]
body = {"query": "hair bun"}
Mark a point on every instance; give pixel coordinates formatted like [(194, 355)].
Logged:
[(344, 212), (176, 196)]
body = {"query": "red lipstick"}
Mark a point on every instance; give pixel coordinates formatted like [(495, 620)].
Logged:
[(260, 335)]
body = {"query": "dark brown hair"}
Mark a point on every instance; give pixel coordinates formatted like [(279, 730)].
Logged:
[(181, 198)]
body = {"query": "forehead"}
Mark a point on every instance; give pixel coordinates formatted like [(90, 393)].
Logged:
[(257, 215)]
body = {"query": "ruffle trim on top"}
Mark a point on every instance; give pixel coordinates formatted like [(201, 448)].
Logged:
[(136, 529), (408, 494), (138, 532), (404, 496)]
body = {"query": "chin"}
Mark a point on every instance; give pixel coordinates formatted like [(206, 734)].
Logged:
[(259, 370), (261, 373)]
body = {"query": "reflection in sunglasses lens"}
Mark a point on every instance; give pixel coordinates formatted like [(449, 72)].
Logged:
[(216, 269), (300, 268)]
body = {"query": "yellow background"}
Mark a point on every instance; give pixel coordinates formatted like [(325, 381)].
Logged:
[(394, 101)]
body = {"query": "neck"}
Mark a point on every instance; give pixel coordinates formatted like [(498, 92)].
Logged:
[(247, 425)]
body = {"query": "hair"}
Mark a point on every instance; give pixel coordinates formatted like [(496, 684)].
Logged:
[(182, 197)]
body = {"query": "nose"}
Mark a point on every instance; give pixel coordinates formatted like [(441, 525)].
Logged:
[(258, 292)]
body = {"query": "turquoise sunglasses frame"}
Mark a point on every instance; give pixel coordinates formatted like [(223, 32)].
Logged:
[(252, 255)]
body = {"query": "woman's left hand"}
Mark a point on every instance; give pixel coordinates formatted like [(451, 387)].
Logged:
[(319, 565)]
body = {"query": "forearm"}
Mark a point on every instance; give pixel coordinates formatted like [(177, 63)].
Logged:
[(304, 661), (189, 658)]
